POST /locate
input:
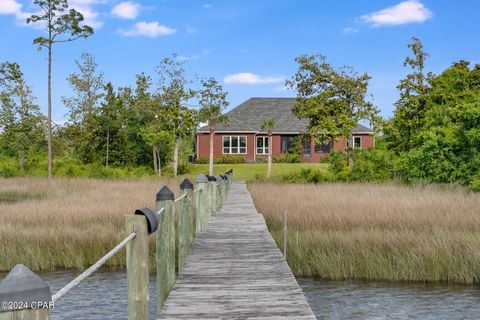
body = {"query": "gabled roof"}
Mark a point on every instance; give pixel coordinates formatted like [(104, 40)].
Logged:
[(247, 117)]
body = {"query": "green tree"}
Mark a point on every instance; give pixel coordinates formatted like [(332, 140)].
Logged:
[(61, 26), (409, 117), (334, 101), (22, 126), (447, 145), (213, 100), (174, 95), (88, 87), (268, 125), (110, 132)]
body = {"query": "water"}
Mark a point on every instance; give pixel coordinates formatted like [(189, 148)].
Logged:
[(104, 296), (386, 300)]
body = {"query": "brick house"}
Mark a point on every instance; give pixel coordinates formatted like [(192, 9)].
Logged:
[(243, 134)]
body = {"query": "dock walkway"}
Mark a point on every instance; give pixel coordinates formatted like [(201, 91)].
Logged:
[(236, 271)]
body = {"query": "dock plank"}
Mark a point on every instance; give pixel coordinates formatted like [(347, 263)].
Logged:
[(236, 271)]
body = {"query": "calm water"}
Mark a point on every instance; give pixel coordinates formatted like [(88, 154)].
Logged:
[(104, 296)]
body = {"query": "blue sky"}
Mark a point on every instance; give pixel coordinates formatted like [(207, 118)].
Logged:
[(248, 45)]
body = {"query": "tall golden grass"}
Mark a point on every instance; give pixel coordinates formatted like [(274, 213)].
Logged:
[(376, 231), (69, 223)]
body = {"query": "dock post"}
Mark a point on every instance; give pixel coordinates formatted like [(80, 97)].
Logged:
[(137, 268), (165, 246), (219, 192), (213, 195), (24, 295), (285, 233), (185, 222), (201, 204)]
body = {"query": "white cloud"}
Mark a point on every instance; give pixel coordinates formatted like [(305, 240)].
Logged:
[(148, 29), (207, 6), (10, 7), (405, 12), (83, 6), (350, 30), (251, 78), (126, 10)]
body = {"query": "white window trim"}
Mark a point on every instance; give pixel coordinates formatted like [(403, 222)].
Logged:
[(265, 138), (353, 142), (230, 137)]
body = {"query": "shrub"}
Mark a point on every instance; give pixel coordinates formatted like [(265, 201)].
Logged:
[(287, 157), (307, 176), (372, 165), (338, 162), (475, 183), (230, 159), (9, 167), (202, 160)]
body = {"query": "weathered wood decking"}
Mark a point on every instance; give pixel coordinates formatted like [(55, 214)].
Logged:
[(236, 271)]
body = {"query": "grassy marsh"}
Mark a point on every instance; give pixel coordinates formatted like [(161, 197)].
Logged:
[(70, 223), (376, 231)]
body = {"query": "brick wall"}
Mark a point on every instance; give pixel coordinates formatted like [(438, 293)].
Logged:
[(203, 146)]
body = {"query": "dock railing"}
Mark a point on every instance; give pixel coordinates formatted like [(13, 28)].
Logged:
[(24, 295)]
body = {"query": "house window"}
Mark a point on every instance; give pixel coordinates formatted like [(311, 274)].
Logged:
[(357, 142), (262, 145), (234, 144), (324, 147), (307, 147), (286, 143)]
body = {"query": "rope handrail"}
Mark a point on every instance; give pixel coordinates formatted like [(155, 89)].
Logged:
[(75, 282), (197, 189), (161, 210), (180, 198)]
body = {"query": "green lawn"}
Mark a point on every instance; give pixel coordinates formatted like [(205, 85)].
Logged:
[(248, 171)]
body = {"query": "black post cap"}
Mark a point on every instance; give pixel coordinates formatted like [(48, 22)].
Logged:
[(213, 178), (152, 218), (186, 184), (202, 178), (165, 194)]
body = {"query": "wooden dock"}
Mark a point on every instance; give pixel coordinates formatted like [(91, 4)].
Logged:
[(236, 271)]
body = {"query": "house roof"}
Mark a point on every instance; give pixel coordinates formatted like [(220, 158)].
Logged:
[(247, 117)]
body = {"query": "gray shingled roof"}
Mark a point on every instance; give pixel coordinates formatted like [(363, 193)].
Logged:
[(248, 116)]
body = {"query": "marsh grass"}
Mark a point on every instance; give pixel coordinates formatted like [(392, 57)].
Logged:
[(376, 231), (69, 223)]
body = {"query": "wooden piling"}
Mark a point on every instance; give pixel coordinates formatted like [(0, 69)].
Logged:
[(185, 222), (137, 268), (201, 201), (285, 233), (26, 314), (213, 193), (165, 246)]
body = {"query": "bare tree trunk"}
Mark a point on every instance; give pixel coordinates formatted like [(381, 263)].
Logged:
[(108, 148), (49, 137), (159, 163), (175, 158), (21, 160), (210, 170), (155, 163), (269, 168)]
